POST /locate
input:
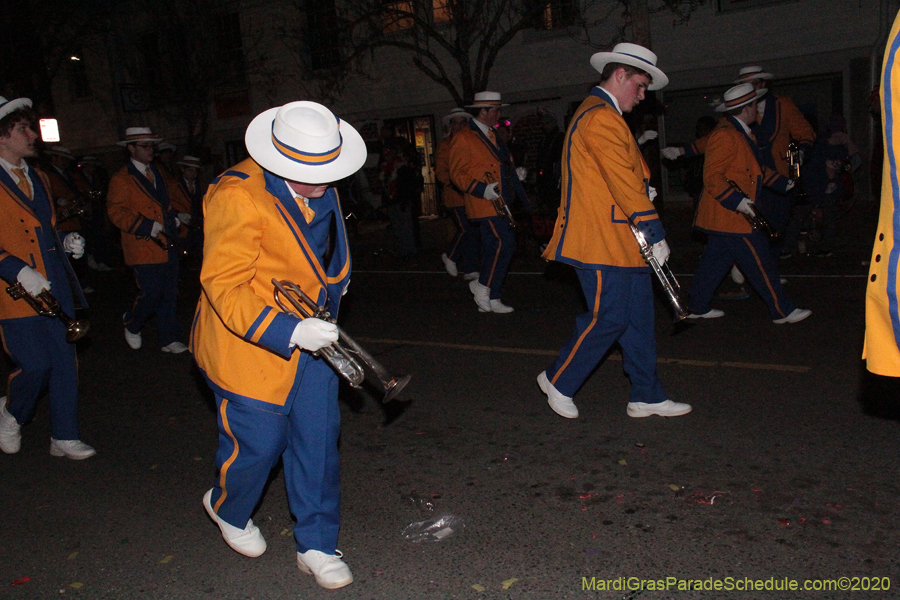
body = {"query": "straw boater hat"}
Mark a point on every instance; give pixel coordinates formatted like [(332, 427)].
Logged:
[(60, 151), (738, 96), (139, 134), (455, 114), (189, 161), (634, 56), (167, 146), (305, 142), (89, 160), (7, 106), (751, 73), (486, 100)]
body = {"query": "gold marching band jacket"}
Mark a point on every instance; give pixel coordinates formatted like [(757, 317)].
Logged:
[(882, 345), (730, 156), (604, 183), (240, 339)]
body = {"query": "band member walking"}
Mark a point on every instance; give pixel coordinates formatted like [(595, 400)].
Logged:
[(31, 256), (732, 178), (479, 162), (462, 251), (139, 204), (275, 216), (604, 187)]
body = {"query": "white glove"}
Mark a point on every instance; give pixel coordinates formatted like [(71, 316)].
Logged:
[(660, 251), (790, 185), (156, 230), (651, 191), (314, 334), (490, 192), (646, 137), (185, 218), (746, 207), (829, 189), (74, 245), (177, 223), (672, 152), (800, 156), (33, 282), (521, 173)]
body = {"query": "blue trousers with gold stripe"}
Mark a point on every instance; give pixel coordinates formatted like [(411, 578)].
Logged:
[(463, 247), (755, 260), (44, 360), (157, 295), (306, 439), (498, 244), (620, 309)]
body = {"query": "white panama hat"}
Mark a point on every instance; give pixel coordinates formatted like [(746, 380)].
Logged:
[(8, 106), (60, 151), (139, 134), (738, 96), (305, 142), (189, 161), (486, 100), (752, 72), (457, 113), (634, 56)]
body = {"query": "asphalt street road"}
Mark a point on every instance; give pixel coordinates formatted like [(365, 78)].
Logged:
[(786, 469)]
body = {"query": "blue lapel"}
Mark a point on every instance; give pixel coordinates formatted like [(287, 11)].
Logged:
[(14, 191), (158, 193)]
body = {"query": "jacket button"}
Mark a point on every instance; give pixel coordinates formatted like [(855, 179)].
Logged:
[(877, 258), (873, 277)]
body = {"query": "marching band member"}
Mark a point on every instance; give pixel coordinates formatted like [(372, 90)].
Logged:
[(605, 184), (193, 191), (462, 246), (479, 161), (882, 342), (139, 204), (269, 217), (778, 123), (730, 171), (31, 254)]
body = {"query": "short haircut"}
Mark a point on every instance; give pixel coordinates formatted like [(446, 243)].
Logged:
[(14, 118), (612, 67)]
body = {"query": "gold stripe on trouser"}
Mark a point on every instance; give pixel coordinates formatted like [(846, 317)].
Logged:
[(496, 254), (586, 331), (765, 277), (231, 459)]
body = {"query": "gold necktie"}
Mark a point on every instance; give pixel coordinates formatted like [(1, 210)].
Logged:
[(23, 183), (191, 187), (149, 175), (308, 213)]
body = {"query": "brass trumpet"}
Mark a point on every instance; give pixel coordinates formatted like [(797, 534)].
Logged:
[(500, 205), (793, 160), (663, 273), (757, 221), (48, 306), (340, 355)]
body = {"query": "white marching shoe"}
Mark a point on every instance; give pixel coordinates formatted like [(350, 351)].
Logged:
[(10, 430), (247, 541), (713, 313), (561, 405), (175, 348), (329, 570), (797, 315), (482, 295), (449, 265), (74, 449), (471, 276), (663, 409), (497, 306)]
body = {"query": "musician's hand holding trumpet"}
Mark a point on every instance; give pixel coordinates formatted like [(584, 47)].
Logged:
[(314, 334), (33, 282), (73, 243)]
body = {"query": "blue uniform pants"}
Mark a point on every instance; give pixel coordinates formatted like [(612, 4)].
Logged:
[(498, 244), (754, 258), (620, 309), (157, 295), (44, 361), (251, 441), (463, 247)]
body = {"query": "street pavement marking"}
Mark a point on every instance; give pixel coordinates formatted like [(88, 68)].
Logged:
[(535, 352)]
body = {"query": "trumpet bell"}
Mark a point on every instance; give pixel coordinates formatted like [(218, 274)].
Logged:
[(77, 330), (394, 387)]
